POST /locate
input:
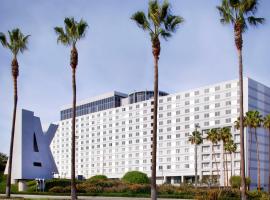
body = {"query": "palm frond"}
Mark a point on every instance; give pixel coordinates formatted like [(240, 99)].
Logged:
[(154, 12), (17, 41), (225, 14), (81, 27), (62, 37), (72, 31), (24, 43), (3, 40), (164, 34), (165, 10), (255, 21), (172, 22), (141, 20), (249, 6)]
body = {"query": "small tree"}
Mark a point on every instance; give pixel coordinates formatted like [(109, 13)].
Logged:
[(196, 139), (3, 162), (135, 177)]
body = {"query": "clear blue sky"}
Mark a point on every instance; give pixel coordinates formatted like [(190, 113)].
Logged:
[(116, 54)]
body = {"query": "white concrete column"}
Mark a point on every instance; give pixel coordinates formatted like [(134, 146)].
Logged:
[(22, 186)]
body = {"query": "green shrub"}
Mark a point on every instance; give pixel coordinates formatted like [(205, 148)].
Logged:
[(57, 189), (56, 182), (248, 181), (139, 188), (136, 177), (121, 188), (166, 189), (235, 181), (97, 178)]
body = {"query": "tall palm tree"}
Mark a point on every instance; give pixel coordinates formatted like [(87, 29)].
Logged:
[(160, 22), (17, 43), (225, 136), (266, 124), (213, 137), (231, 148), (196, 139), (240, 13), (69, 36), (254, 121)]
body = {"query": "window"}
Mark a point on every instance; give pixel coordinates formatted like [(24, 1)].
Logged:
[(217, 88), (187, 95), (228, 85), (217, 96), (186, 110), (35, 145), (228, 120), (206, 98), (37, 164), (217, 105), (228, 103), (197, 101), (228, 94), (206, 107), (196, 116), (206, 90), (228, 112), (196, 108), (217, 113), (206, 115), (196, 93)]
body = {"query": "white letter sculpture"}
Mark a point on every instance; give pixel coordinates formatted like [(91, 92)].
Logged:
[(32, 156)]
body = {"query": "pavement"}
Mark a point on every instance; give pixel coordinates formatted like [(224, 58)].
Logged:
[(28, 196)]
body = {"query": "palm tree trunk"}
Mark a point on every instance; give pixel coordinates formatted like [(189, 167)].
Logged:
[(224, 173), (74, 61), (231, 166), (269, 161), (249, 160), (215, 162), (226, 164), (196, 166), (239, 43), (156, 52), (15, 74), (258, 162)]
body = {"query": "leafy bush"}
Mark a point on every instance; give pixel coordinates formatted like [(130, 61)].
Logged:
[(166, 189), (56, 182), (216, 194), (57, 189), (136, 177), (97, 178), (235, 181), (121, 188), (139, 188)]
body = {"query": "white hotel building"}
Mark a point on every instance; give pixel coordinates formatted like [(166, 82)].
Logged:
[(114, 133)]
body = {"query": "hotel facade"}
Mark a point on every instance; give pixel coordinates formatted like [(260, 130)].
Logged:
[(113, 133)]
